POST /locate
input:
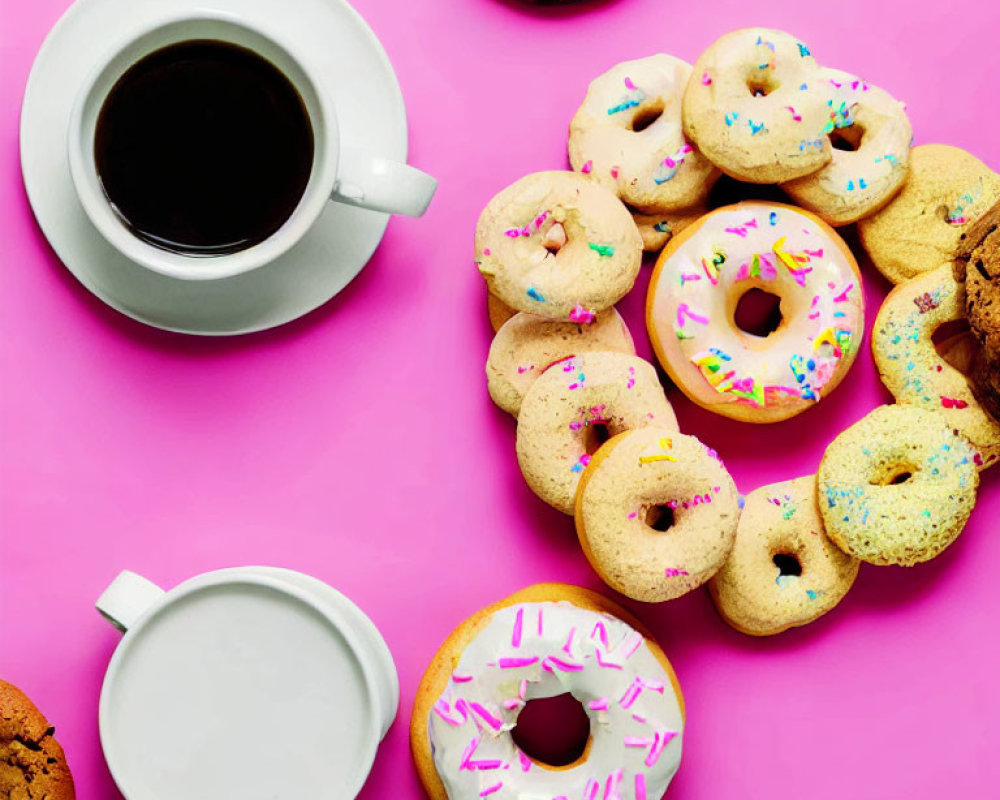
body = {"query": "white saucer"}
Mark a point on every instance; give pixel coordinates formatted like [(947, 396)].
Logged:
[(371, 113)]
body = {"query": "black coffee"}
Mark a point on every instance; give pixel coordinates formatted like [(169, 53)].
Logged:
[(204, 148)]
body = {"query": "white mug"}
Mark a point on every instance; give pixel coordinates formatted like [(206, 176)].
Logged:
[(251, 682), (339, 173)]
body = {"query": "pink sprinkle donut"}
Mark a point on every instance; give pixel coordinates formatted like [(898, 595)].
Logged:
[(696, 289)]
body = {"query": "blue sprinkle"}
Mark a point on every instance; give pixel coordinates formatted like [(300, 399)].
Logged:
[(755, 128), (731, 117), (803, 50), (839, 314), (773, 218), (812, 594), (811, 363), (741, 501), (862, 184), (850, 186), (909, 366), (803, 87), (534, 294)]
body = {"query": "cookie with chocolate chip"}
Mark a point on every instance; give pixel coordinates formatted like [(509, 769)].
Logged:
[(32, 764)]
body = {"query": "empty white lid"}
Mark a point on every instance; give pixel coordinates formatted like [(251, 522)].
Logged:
[(240, 688)]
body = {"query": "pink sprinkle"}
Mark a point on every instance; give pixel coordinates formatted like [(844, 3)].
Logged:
[(460, 678), (672, 572), (522, 370), (633, 515), (514, 663), (706, 80), (581, 315), (614, 172), (814, 315), (607, 664), (684, 310), (602, 633), (953, 402), (513, 233), (611, 787), (629, 85), (842, 297), (540, 610), (637, 741), (638, 718), (486, 252), (490, 789), (600, 704), (591, 789), (443, 710), (511, 703), (486, 716), (467, 754), (796, 117), (525, 761), (814, 253), (515, 639), (586, 168), (741, 232), (640, 786), (631, 645), (522, 691), (565, 666), (752, 223), (569, 641), (660, 740)]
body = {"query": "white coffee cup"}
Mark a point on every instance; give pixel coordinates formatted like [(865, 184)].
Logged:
[(339, 173), (252, 682)]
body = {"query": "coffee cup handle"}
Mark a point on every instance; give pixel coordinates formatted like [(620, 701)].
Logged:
[(381, 184), (127, 598)]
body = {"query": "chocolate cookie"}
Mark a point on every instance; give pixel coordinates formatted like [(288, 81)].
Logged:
[(32, 764)]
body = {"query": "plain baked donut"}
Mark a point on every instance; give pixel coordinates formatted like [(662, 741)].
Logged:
[(699, 280), (783, 571), (871, 166), (571, 406), (525, 346), (558, 245), (911, 367), (542, 641), (754, 108), (897, 486), (656, 513), (627, 135)]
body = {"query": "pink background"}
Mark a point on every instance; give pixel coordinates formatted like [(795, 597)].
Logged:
[(359, 444)]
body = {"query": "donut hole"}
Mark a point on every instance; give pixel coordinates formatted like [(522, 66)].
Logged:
[(847, 139), (646, 115), (893, 475), (788, 565), (552, 731), (594, 435), (659, 518), (954, 342), (761, 84), (758, 312)]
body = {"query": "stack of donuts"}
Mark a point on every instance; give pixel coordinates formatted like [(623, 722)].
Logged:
[(596, 435)]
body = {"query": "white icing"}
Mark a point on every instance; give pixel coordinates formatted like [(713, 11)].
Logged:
[(694, 299), (636, 721)]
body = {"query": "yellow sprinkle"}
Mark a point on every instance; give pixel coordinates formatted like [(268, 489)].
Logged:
[(651, 459)]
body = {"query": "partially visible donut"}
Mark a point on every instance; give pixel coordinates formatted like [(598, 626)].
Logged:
[(783, 571), (527, 345), (627, 135), (913, 370), (871, 154), (573, 407)]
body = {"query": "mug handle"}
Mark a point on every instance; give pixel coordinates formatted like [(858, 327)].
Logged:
[(381, 184), (127, 598)]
